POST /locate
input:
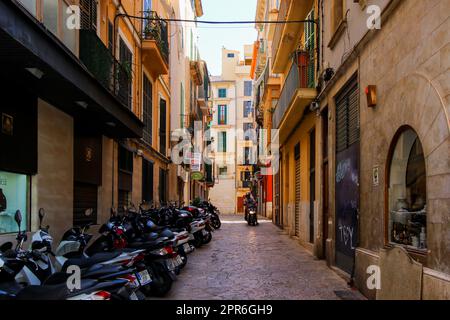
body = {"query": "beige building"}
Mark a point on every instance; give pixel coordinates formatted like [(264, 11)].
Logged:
[(233, 116), (385, 104)]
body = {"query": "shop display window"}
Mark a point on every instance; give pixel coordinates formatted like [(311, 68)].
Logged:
[(407, 193), (14, 195)]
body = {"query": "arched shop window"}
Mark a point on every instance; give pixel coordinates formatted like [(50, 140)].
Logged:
[(407, 192)]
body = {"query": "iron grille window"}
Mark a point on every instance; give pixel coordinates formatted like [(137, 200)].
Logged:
[(147, 110), (347, 116)]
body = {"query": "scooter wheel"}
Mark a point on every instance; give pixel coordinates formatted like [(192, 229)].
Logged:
[(198, 241), (162, 282), (216, 223), (207, 239)]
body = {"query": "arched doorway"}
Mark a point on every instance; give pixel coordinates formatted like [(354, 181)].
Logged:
[(407, 192)]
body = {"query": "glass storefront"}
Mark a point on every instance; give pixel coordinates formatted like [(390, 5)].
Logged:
[(14, 195)]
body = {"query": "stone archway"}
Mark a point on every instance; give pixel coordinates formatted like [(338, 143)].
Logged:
[(415, 101)]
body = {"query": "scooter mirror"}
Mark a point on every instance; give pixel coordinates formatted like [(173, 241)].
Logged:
[(18, 218), (89, 212)]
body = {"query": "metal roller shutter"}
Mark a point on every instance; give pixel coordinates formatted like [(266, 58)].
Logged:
[(297, 189)]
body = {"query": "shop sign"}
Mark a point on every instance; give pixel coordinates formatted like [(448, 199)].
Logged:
[(197, 176)]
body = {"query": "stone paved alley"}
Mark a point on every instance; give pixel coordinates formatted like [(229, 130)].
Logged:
[(261, 262)]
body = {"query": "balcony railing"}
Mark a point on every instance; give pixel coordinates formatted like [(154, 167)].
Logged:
[(301, 76), (282, 13), (98, 59), (156, 29)]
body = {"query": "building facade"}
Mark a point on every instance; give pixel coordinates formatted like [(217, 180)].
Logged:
[(363, 157), (232, 129), (96, 118)]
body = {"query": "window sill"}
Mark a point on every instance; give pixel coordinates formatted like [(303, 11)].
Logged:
[(337, 34)]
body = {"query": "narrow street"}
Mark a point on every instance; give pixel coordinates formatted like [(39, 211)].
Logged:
[(261, 262)]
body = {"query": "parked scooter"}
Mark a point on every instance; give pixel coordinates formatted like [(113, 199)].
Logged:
[(18, 268)]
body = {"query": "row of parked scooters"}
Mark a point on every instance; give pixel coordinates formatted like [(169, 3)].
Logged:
[(138, 254)]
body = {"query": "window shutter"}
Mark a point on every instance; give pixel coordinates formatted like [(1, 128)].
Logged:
[(347, 116)]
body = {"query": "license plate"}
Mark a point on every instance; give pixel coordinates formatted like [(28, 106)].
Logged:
[(144, 278), (179, 260), (186, 247)]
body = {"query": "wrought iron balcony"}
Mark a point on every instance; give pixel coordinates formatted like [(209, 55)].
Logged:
[(98, 59), (156, 43)]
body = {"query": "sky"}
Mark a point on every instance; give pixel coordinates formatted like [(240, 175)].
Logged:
[(213, 37)]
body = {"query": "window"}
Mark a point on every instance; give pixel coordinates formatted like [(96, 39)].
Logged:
[(222, 114), (407, 192), (247, 156), (230, 55), (147, 110), (222, 93), (147, 5), (222, 141), (223, 171), (147, 180), (14, 195), (125, 71), (89, 14), (248, 109), (163, 186), (125, 179), (248, 88), (248, 132), (54, 17), (337, 14), (111, 37), (162, 126)]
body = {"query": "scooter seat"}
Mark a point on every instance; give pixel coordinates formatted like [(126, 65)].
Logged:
[(53, 292), (144, 245), (99, 270), (97, 258)]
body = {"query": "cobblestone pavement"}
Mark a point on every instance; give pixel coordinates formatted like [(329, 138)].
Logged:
[(260, 262)]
